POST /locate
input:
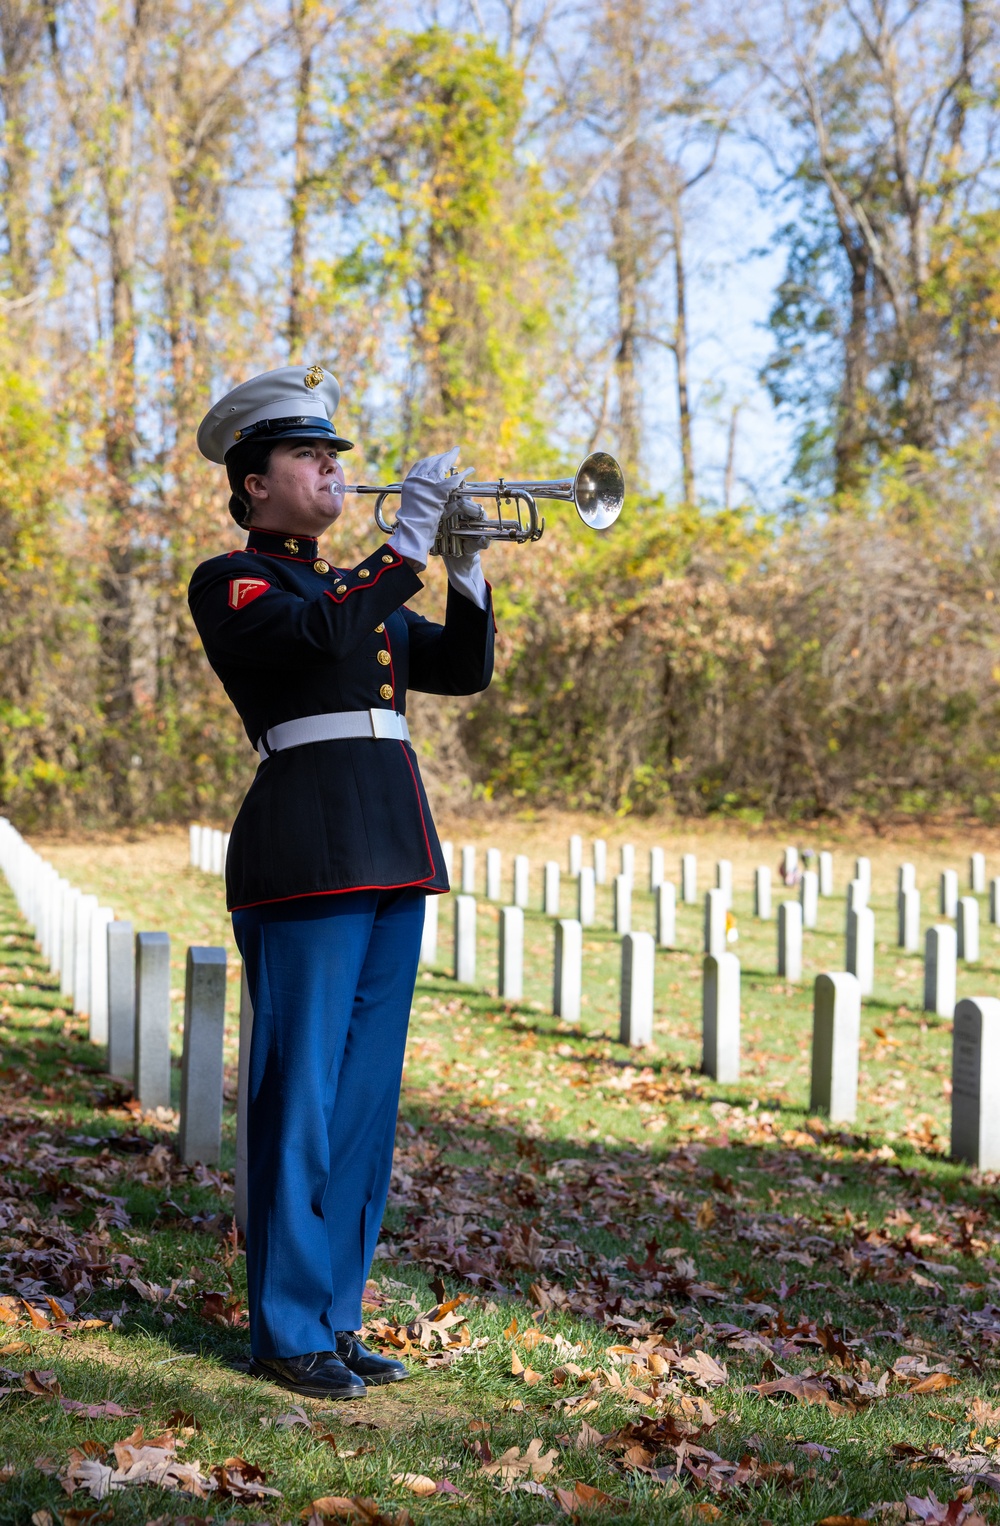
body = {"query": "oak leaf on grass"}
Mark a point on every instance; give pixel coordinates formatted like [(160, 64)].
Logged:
[(511, 1465), (580, 1496)]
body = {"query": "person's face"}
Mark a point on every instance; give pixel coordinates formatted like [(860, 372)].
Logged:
[(302, 490)]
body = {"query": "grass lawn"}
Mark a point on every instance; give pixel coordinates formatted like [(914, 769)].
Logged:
[(680, 1301)]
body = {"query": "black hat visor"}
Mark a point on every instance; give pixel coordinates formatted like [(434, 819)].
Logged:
[(297, 428)]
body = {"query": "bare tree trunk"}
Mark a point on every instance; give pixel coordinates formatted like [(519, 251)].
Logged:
[(729, 477), (625, 258), (848, 450), (681, 352), (22, 27), (302, 32), (117, 179)]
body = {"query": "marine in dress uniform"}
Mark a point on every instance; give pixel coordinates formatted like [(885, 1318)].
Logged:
[(332, 853)]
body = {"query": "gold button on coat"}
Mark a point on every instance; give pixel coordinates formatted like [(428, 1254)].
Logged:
[(338, 588), (387, 558), (386, 691), (321, 566), (379, 629), (364, 573), (384, 658)]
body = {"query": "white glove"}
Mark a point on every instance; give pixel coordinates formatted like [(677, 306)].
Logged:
[(426, 490), (465, 573)]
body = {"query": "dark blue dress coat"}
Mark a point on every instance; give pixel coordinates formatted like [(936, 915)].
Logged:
[(290, 635)]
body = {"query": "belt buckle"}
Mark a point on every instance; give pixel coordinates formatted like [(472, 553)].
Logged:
[(385, 725)]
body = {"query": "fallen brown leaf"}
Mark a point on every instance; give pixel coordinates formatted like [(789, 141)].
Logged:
[(586, 1497), (805, 1390), (511, 1465), (44, 1383), (417, 1483), (341, 1508), (933, 1383)]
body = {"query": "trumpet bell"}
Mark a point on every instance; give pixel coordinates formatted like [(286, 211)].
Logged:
[(599, 490)]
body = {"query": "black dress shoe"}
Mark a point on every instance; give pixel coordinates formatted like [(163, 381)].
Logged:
[(318, 1375), (374, 1369)]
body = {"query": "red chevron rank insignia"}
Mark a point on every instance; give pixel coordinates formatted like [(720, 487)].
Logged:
[(243, 591)]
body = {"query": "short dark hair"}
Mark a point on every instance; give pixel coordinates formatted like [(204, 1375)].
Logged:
[(252, 457)]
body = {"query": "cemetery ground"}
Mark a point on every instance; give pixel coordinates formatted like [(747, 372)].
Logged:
[(626, 1292)]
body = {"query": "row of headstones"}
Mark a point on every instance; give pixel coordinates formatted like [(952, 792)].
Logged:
[(836, 1021), (589, 877), (121, 983), (207, 848)]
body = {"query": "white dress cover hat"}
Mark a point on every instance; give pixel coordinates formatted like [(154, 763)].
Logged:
[(292, 403)]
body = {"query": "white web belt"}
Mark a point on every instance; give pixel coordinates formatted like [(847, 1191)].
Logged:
[(336, 726)]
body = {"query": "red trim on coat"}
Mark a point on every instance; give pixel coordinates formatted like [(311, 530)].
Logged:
[(406, 754), (308, 895), (275, 556), (338, 598)]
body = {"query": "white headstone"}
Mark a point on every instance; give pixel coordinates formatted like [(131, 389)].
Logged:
[(194, 845), (494, 868), (995, 900), (826, 873), (205, 851), (465, 939), (689, 879), (53, 923), (967, 929), (863, 872), (724, 880), (940, 972), (218, 851), (655, 869), (857, 896), (242, 1094), (906, 879), (67, 964), (975, 1082), (809, 898), (790, 940), (575, 853), (522, 881), (720, 1017), (622, 908), (200, 1132), (586, 898), (908, 910), (791, 860), (550, 904), (85, 908), (152, 1020), (600, 861), (429, 936), (948, 893), (567, 981), (638, 954), (715, 923), (225, 850), (448, 854), (666, 914), (861, 948), (762, 892), (836, 1037), (469, 869), (98, 1005), (977, 873), (121, 1001), (510, 976), (627, 857)]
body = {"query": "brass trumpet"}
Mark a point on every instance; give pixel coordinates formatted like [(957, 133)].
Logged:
[(597, 492)]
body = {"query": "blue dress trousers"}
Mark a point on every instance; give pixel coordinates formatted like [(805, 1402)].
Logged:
[(331, 855)]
